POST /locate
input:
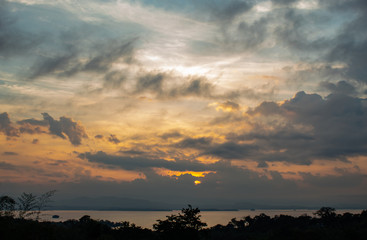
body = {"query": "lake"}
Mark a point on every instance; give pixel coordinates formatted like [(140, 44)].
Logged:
[(146, 219)]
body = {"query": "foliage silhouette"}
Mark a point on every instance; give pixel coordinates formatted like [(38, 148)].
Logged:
[(30, 205), (7, 206), (186, 224), (326, 212), (43, 201), (27, 204)]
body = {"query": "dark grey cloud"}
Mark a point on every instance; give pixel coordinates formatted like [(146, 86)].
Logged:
[(7, 127), (132, 152), (112, 138), (232, 150), (13, 40), (109, 53), (352, 52), (351, 43), (158, 84), (312, 128), (197, 143), (101, 58), (99, 136), (341, 87), (171, 134), (266, 108), (299, 130), (299, 32), (114, 79), (198, 87), (213, 11), (32, 126), (227, 11), (10, 153), (7, 166), (64, 65), (73, 130), (143, 162), (348, 45), (247, 36), (33, 121), (55, 126), (64, 127), (283, 2), (150, 83), (165, 85)]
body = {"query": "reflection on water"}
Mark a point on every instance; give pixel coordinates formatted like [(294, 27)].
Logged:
[(148, 218)]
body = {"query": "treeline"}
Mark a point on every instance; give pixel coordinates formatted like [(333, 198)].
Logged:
[(325, 224)]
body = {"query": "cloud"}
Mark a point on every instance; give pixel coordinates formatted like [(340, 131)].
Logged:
[(172, 134), (7, 127), (232, 150), (112, 138), (167, 85), (198, 87), (99, 136), (13, 40), (351, 46), (245, 36), (197, 143), (314, 34), (64, 127), (341, 87), (160, 84), (283, 2), (300, 130), (32, 126), (150, 83), (72, 62), (114, 79), (311, 127), (266, 108), (10, 153), (229, 10), (143, 163), (8, 166), (228, 106)]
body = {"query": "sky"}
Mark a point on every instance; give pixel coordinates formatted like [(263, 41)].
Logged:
[(214, 103)]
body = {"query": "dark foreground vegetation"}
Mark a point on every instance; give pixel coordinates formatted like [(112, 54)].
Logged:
[(24, 224)]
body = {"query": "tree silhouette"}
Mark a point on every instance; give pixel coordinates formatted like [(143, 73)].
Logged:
[(325, 212), (30, 205), (43, 201), (7, 206), (185, 225), (27, 203)]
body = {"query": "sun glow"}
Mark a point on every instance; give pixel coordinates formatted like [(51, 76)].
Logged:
[(197, 182), (165, 172)]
